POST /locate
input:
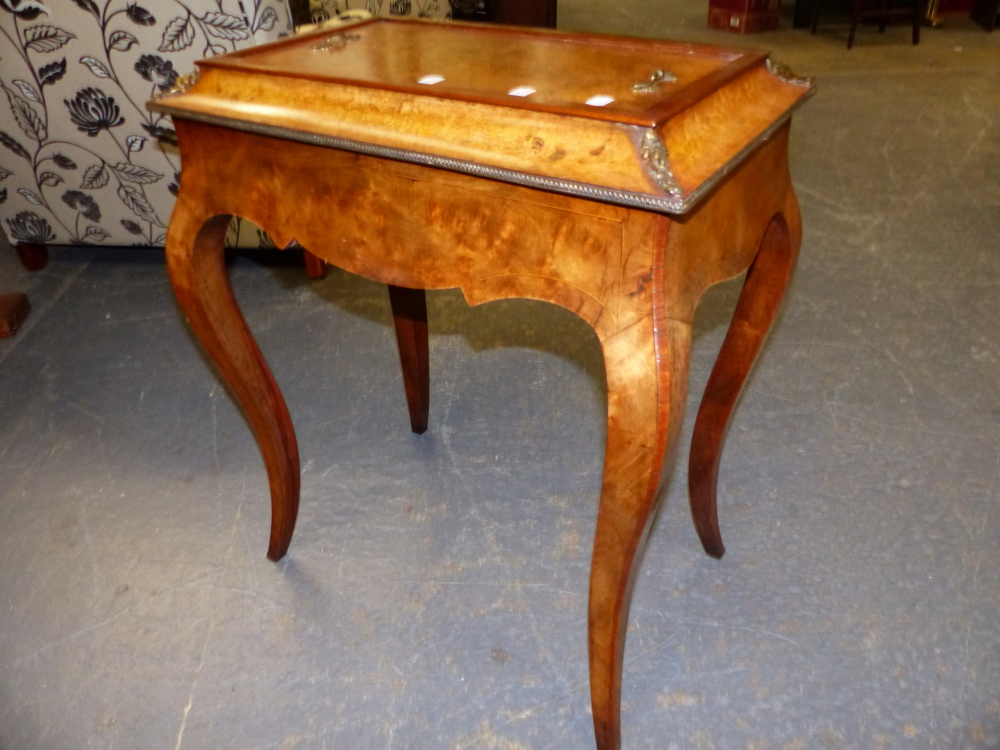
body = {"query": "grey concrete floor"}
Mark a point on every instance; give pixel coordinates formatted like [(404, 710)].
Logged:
[(435, 592)]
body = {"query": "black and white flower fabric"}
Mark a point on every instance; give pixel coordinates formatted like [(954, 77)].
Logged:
[(81, 159)]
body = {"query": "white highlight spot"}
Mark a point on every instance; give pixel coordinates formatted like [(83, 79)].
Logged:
[(600, 101), (431, 80), (521, 91)]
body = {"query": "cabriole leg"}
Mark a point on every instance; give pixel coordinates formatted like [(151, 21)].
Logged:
[(763, 289), (197, 270), (409, 313), (647, 381)]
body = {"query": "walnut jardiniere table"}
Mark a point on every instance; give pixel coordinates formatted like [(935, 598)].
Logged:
[(618, 178)]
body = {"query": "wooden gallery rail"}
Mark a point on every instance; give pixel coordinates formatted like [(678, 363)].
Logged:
[(618, 178)]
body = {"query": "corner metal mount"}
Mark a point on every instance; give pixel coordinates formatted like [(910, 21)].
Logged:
[(653, 152), (782, 73), (181, 85)]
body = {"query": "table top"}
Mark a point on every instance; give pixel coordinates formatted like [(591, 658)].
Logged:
[(581, 75), (645, 123)]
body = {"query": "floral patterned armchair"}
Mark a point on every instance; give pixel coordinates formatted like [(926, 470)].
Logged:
[(82, 161)]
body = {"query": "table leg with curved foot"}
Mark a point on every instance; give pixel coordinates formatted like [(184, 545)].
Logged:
[(647, 381), (766, 281), (409, 313), (195, 261)]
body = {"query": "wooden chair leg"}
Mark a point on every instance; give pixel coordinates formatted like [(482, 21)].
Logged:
[(34, 257), (647, 382), (919, 11), (855, 20), (315, 266), (14, 309), (409, 313), (763, 290), (817, 7), (196, 264)]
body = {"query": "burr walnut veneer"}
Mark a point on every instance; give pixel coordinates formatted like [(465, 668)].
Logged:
[(631, 176)]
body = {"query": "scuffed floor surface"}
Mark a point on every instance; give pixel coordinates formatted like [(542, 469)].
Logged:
[(435, 594)]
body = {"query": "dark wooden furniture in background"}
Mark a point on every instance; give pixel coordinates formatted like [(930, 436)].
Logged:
[(631, 177), (802, 13), (526, 12), (864, 10), (942, 9), (986, 13), (299, 11), (33, 257), (938, 12), (743, 16), (539, 13)]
